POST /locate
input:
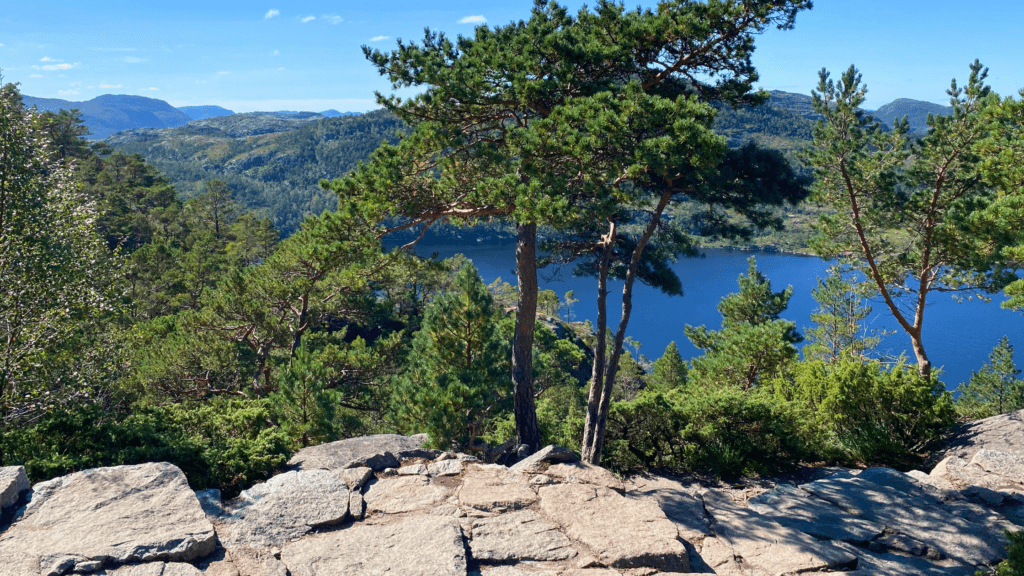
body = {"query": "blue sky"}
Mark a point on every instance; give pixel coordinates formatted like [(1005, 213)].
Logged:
[(305, 55)]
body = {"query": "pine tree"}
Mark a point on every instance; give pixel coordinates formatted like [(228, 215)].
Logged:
[(753, 343), (995, 388), (669, 372), (457, 371), (839, 317), (902, 213)]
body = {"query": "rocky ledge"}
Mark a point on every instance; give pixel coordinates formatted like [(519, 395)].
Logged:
[(385, 505)]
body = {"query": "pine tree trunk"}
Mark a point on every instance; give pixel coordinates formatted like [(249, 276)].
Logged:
[(590, 448), (527, 431)]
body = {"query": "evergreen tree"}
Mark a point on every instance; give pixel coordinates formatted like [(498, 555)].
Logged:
[(839, 317), (457, 371), (754, 343), (669, 372), (557, 120), (903, 213), (995, 388)]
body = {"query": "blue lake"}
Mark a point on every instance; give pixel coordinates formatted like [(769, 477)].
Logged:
[(957, 336)]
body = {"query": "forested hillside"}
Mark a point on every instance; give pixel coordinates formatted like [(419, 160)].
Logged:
[(271, 162)]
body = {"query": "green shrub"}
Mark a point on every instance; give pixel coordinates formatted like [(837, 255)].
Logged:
[(221, 443), (724, 431), (1014, 563), (864, 412)]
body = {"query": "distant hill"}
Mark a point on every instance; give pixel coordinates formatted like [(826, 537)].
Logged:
[(332, 113), (916, 112), (271, 161), (202, 112), (108, 114)]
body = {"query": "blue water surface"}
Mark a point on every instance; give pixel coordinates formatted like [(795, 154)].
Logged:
[(957, 336)]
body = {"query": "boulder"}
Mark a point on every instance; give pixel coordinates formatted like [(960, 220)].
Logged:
[(894, 500), (286, 507), (1002, 433), (622, 532), (154, 569), (412, 470), (112, 516), (403, 494), (1002, 463), (445, 468), (518, 536), (13, 483), (355, 478), (798, 509), (539, 460), (420, 546), (494, 489), (584, 473), (378, 452), (256, 562), (879, 564), (767, 545), (962, 474)]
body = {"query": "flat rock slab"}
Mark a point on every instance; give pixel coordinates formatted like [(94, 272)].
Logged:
[(517, 536), (527, 570), (255, 562), (874, 564), (895, 500), (421, 546), (112, 515), (685, 511), (798, 509), (769, 546), (13, 483), (494, 489), (584, 473), (154, 569), (378, 452), (286, 507), (403, 494), (622, 532)]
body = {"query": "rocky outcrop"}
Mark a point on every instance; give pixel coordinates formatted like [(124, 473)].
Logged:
[(377, 452), (1002, 433), (426, 512), (13, 484), (117, 515)]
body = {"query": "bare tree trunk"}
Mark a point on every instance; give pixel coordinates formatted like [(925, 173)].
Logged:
[(527, 431), (592, 450), (597, 379)]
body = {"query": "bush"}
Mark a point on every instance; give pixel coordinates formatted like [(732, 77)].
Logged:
[(724, 431), (221, 443), (865, 412)]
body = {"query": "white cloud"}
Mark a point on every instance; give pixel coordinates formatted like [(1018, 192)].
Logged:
[(150, 88), (64, 66), (111, 86), (67, 92), (271, 13), (200, 81), (275, 53), (1, 45), (280, 69), (47, 59), (333, 18), (308, 19), (478, 19), (132, 59), (379, 38)]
